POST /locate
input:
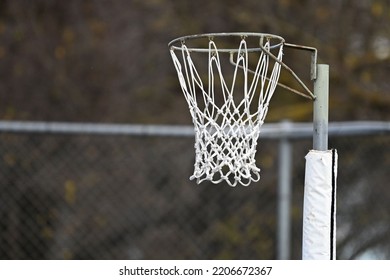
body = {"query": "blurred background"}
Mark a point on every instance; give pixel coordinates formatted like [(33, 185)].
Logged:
[(83, 196)]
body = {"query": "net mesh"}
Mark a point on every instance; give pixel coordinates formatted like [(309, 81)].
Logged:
[(228, 115)]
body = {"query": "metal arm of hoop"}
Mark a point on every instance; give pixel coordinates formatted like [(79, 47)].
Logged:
[(313, 68), (311, 97), (313, 71)]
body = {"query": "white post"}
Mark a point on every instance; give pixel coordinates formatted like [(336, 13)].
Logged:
[(320, 108), (319, 212)]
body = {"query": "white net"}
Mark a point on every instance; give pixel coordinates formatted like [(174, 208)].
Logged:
[(228, 115)]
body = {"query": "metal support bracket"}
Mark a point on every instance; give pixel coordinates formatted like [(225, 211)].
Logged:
[(313, 66)]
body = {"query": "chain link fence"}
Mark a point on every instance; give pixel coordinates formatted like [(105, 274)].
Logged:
[(74, 195)]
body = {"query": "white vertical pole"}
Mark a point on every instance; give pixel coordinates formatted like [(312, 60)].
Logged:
[(284, 198), (320, 108), (318, 241)]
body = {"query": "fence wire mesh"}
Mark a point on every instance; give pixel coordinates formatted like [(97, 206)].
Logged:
[(79, 196)]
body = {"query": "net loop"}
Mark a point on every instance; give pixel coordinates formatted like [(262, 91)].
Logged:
[(228, 115)]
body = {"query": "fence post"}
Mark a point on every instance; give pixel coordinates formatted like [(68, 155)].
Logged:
[(284, 195)]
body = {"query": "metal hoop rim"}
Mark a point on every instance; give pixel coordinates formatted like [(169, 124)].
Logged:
[(210, 36)]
